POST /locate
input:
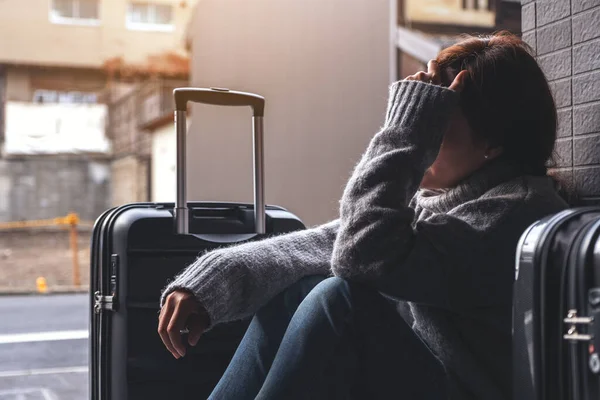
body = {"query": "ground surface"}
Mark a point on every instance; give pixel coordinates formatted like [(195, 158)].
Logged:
[(27, 255), (44, 347)]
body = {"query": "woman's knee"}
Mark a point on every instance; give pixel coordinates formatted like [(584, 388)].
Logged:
[(341, 294), (290, 298), (296, 292), (332, 286), (331, 293), (306, 284)]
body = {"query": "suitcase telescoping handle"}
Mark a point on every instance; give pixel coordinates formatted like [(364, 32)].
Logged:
[(221, 97)]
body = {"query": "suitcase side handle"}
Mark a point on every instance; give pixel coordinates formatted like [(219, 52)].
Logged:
[(219, 97), (223, 97)]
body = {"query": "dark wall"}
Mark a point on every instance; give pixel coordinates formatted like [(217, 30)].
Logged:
[(508, 16), (409, 65), (566, 37)]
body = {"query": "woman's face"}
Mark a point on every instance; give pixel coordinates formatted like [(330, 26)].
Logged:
[(460, 155)]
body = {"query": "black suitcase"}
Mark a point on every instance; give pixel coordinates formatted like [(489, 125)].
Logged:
[(137, 248), (556, 309)]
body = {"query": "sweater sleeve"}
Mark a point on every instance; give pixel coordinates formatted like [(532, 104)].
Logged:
[(232, 283), (376, 241)]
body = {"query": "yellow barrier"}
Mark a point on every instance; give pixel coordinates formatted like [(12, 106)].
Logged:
[(71, 220)]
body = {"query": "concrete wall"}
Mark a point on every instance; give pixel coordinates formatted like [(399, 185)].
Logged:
[(163, 169), (42, 188), (18, 86), (324, 67), (566, 36), (27, 36), (129, 178)]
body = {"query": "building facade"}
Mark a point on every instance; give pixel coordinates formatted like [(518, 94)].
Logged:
[(427, 26), (142, 127), (62, 64), (87, 33)]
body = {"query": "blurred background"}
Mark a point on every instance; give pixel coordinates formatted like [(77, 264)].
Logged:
[(86, 107), (86, 124)]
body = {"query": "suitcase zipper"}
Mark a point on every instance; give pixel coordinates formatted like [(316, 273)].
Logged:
[(573, 320), (102, 303), (109, 303)]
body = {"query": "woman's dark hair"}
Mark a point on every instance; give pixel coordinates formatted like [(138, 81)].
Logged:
[(506, 100)]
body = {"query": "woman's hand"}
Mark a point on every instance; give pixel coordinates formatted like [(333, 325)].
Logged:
[(180, 311), (433, 76)]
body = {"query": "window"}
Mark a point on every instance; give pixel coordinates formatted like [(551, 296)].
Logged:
[(150, 17), (476, 4), (84, 12), (52, 96)]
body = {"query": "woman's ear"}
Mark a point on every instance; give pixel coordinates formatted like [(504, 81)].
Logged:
[(493, 152)]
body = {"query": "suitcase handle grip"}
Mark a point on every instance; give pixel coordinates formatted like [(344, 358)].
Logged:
[(223, 97), (219, 97)]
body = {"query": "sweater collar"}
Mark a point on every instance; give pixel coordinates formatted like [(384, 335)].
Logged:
[(485, 178)]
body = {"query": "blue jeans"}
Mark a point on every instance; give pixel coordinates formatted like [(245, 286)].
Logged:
[(327, 338)]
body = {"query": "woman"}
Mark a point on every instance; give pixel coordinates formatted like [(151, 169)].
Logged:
[(422, 255)]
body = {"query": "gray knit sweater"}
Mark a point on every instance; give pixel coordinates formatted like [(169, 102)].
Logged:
[(448, 258)]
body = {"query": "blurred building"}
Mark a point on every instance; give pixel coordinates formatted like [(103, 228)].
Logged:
[(146, 106), (63, 65), (324, 75), (323, 66), (427, 26), (142, 128)]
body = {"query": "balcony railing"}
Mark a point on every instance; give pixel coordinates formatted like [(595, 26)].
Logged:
[(156, 102), (122, 124), (143, 109)]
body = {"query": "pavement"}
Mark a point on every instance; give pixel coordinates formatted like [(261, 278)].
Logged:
[(44, 347)]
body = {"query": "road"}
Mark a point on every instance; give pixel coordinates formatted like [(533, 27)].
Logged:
[(44, 347)]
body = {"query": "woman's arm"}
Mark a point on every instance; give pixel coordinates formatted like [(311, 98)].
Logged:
[(376, 235), (234, 282)]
